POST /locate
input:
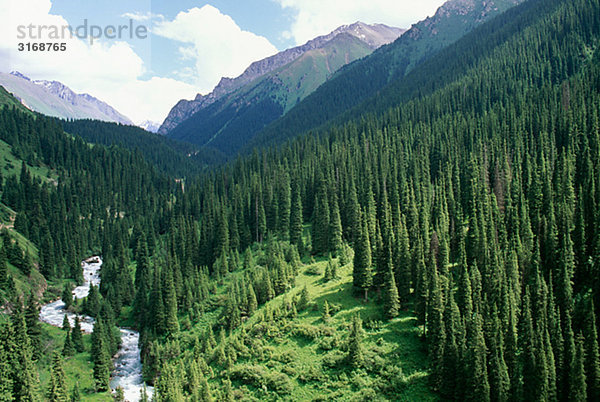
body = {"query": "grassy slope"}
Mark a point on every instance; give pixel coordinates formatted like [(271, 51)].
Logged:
[(6, 99), (78, 368), (397, 342)]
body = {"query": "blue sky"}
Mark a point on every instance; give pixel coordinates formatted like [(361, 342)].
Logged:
[(191, 44), (263, 17)]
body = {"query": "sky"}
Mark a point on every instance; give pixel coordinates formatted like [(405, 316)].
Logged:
[(171, 50)]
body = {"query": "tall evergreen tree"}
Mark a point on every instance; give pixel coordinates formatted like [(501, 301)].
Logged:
[(362, 272), (320, 227), (355, 348), (77, 337), (392, 301), (57, 388), (578, 387)]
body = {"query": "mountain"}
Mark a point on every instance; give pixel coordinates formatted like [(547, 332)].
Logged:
[(53, 98), (362, 79), (150, 126), (270, 87), (6, 99)]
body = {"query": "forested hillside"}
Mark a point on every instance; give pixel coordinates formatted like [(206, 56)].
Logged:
[(476, 205), (443, 246), (346, 94), (174, 158), (65, 214)]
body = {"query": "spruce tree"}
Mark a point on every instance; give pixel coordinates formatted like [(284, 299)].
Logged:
[(100, 357), (3, 269), (92, 305), (335, 227), (578, 387), (170, 298), (67, 296), (34, 329), (355, 348), (77, 337), (321, 221), (304, 299), (478, 387), (25, 376), (391, 300), (76, 394), (66, 325), (6, 358), (205, 395), (68, 348), (57, 388), (592, 355), (251, 302), (326, 313), (362, 271)]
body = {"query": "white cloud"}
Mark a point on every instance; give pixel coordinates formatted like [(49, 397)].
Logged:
[(139, 16), (318, 17), (219, 46), (108, 71)]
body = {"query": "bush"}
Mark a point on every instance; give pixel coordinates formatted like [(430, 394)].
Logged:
[(286, 357), (311, 374), (259, 377), (329, 343), (249, 374), (333, 359), (280, 383), (306, 331), (313, 270)]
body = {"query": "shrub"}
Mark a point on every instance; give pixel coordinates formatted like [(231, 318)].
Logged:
[(310, 374), (259, 377), (313, 270), (279, 382), (306, 331), (333, 359), (329, 343)]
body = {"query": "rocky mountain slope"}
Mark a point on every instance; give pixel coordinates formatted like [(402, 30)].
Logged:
[(363, 79), (53, 98), (371, 36)]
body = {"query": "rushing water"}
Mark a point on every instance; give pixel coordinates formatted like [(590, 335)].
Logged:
[(127, 373)]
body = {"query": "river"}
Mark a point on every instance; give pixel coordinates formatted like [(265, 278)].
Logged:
[(127, 372)]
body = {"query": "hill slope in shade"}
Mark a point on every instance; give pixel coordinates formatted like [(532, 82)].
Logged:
[(361, 80), (365, 37), (55, 99), (229, 123)]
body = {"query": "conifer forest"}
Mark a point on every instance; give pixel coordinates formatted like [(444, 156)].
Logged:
[(438, 241)]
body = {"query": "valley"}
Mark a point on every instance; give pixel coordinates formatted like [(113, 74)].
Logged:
[(418, 223)]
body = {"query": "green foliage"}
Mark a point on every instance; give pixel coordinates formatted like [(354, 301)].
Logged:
[(473, 199), (57, 389), (355, 348), (363, 275)]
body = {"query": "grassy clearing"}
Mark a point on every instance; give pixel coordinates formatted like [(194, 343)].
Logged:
[(78, 368), (10, 165), (306, 348)]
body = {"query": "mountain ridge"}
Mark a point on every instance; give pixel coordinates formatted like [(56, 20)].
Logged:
[(55, 99), (358, 81), (373, 35)]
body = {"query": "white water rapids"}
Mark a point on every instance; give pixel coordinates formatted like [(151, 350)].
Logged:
[(127, 372)]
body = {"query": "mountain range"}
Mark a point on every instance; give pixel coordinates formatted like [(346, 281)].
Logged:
[(274, 100), (55, 99), (359, 84), (237, 108)]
